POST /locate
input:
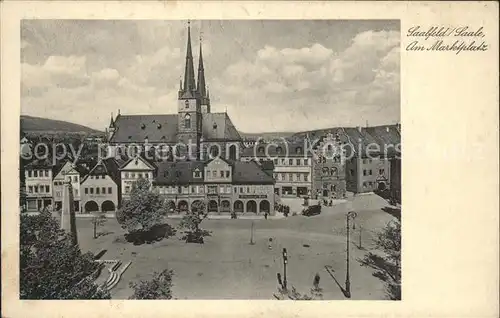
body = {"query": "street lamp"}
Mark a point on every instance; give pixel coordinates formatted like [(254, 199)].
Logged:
[(285, 261), (350, 215)]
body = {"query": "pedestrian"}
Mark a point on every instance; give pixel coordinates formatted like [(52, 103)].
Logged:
[(265, 215), (270, 246)]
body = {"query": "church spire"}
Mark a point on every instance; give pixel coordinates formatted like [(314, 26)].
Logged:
[(189, 81), (201, 73), (112, 122)]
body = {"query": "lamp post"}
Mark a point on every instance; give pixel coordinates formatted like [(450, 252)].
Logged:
[(285, 261), (350, 215)]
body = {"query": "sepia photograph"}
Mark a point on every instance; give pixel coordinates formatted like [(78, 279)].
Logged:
[(210, 159)]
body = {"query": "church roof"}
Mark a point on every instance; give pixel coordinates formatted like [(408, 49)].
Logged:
[(163, 128)]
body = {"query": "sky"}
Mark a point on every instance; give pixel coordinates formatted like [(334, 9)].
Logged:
[(287, 75)]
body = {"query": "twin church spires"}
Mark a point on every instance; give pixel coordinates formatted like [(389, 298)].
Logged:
[(190, 89)]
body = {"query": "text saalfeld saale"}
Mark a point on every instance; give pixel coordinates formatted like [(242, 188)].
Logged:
[(444, 31)]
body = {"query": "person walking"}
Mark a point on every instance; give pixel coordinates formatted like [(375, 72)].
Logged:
[(265, 215)]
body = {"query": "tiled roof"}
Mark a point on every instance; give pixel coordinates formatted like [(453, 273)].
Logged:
[(250, 173), (285, 150), (218, 126), (387, 137), (163, 128), (40, 164), (178, 172), (181, 173), (113, 169)]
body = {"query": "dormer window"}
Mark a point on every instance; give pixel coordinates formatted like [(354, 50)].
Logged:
[(143, 126), (214, 126), (159, 126), (197, 173), (186, 104), (279, 150), (298, 150), (261, 149)]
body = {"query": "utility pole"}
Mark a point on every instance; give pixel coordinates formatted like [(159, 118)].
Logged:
[(360, 230), (350, 215)]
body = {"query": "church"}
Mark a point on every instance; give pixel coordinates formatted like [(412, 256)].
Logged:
[(209, 134)]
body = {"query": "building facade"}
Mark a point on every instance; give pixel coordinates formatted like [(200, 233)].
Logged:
[(100, 188), (67, 172), (224, 186), (329, 169), (132, 170), (38, 182), (292, 166)]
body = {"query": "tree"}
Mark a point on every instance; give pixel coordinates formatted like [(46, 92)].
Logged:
[(160, 287), (190, 223), (143, 211), (387, 262), (51, 266)]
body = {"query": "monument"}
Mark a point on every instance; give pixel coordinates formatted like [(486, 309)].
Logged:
[(68, 219)]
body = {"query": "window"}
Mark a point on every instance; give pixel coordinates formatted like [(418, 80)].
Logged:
[(222, 174), (298, 150), (132, 175), (186, 104), (227, 173), (36, 189), (297, 176), (381, 171), (275, 176), (306, 162), (139, 175), (35, 174), (305, 177), (75, 179), (29, 173), (364, 161), (212, 189), (370, 183), (127, 189), (91, 190), (275, 161), (351, 172), (76, 192), (46, 173), (185, 189), (193, 190), (97, 191), (47, 189), (334, 171), (241, 189), (214, 174), (187, 121), (86, 190), (283, 161), (279, 150), (290, 176), (364, 172), (298, 162), (228, 189), (248, 189), (290, 162), (197, 174), (235, 190), (221, 189), (58, 193), (364, 185), (261, 149), (30, 189), (370, 172), (103, 190), (283, 177)]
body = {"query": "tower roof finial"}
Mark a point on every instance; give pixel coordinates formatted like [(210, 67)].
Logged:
[(189, 81)]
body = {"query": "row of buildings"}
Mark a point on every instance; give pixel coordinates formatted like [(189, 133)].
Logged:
[(196, 154)]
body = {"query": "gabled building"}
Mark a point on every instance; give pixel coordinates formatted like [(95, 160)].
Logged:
[(100, 187), (64, 172), (194, 123), (131, 170)]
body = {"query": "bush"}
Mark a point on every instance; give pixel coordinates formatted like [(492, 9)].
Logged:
[(160, 287)]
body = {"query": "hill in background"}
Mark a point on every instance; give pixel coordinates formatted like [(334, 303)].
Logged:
[(30, 125)]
